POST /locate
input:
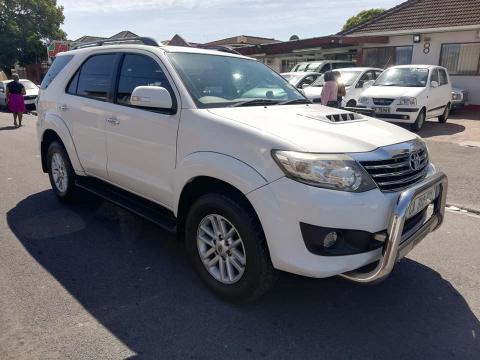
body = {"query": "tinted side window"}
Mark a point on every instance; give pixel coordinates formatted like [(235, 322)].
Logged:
[(95, 77), (139, 70), (443, 77), (325, 68), (58, 64)]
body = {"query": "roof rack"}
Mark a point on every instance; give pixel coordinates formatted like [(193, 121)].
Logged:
[(144, 40), (221, 48)]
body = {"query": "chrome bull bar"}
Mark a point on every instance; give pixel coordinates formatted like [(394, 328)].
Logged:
[(394, 248)]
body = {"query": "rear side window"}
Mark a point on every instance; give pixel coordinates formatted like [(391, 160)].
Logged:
[(139, 70), (442, 74), (58, 64), (93, 79)]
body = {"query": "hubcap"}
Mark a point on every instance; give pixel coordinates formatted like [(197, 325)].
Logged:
[(59, 172), (221, 249)]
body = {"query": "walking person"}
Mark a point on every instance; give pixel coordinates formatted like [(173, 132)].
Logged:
[(329, 90), (16, 103), (341, 87)]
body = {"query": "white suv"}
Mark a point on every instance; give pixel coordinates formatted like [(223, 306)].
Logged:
[(225, 152), (410, 94)]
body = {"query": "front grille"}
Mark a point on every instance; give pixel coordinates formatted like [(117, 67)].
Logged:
[(30, 97), (396, 173), (381, 101)]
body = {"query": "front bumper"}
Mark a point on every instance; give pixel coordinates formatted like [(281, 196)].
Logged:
[(284, 204), (394, 249)]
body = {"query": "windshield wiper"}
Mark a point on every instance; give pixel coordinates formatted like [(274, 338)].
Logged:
[(296, 101), (255, 102)]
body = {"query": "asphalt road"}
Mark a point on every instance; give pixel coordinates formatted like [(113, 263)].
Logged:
[(93, 281)]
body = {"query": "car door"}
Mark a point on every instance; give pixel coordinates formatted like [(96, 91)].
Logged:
[(85, 106), (141, 142), (445, 87), (435, 106)]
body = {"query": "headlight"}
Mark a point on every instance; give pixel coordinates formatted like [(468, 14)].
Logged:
[(407, 101), (330, 171), (363, 100), (456, 96)]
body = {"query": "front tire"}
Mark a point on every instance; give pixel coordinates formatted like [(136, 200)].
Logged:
[(227, 247), (418, 124), (351, 103), (61, 173), (444, 117)]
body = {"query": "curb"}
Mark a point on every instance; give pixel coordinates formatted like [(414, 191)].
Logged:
[(461, 207)]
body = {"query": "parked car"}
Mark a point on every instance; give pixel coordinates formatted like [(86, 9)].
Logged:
[(301, 79), (322, 66), (355, 80), (410, 94), (31, 93), (459, 98), (250, 185)]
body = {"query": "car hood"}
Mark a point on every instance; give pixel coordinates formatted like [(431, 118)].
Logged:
[(392, 91), (30, 92), (308, 128)]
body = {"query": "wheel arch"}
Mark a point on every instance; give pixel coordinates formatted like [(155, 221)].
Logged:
[(55, 129)]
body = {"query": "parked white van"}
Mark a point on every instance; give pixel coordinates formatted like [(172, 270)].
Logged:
[(223, 151), (410, 94)]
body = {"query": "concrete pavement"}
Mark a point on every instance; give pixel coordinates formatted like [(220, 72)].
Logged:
[(93, 281)]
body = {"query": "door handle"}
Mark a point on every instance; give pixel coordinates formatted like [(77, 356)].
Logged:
[(113, 120), (63, 107)]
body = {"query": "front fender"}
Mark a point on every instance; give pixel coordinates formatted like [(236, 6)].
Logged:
[(219, 166), (55, 123)]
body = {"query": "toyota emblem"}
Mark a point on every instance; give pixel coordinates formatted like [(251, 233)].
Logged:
[(415, 160)]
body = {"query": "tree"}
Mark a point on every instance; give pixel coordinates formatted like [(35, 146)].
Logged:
[(26, 27), (361, 18)]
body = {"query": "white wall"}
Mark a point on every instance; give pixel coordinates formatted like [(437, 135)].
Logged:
[(470, 83)]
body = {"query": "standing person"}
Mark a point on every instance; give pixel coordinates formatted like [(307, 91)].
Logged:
[(16, 104), (341, 87), (329, 90)]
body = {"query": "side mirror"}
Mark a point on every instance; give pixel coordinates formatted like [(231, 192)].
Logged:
[(434, 84), (152, 97), (360, 84)]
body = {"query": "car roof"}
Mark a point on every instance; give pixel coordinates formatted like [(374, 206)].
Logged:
[(298, 73), (164, 48), (358, 69), (421, 66)]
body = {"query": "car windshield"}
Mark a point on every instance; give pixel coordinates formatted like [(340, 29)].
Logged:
[(347, 77), (28, 85), (220, 81), (403, 77)]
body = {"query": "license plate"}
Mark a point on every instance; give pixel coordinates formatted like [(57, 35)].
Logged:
[(381, 110), (421, 202)]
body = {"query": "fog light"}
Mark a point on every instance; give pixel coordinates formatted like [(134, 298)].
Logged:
[(406, 117), (330, 239)]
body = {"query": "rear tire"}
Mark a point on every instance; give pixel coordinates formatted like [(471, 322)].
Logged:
[(61, 173), (247, 269), (442, 119), (418, 124)]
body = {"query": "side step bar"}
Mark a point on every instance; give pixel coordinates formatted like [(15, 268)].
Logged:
[(134, 203)]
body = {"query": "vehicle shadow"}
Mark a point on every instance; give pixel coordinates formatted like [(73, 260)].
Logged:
[(136, 281), (11, 127), (432, 128)]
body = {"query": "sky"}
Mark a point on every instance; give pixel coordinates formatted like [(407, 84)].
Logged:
[(208, 20)]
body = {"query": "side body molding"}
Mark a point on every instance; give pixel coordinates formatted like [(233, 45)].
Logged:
[(56, 124), (220, 166)]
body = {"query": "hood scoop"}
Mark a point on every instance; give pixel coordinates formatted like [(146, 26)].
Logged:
[(339, 117)]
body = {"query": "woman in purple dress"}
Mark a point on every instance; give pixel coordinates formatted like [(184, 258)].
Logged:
[(16, 104)]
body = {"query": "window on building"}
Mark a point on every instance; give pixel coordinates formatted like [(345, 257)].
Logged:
[(384, 57), (138, 70), (461, 59)]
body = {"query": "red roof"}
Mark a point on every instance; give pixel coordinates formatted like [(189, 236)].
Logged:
[(422, 14)]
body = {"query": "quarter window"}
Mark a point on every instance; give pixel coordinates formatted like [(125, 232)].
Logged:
[(461, 59), (58, 64), (434, 76), (94, 77), (139, 70)]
